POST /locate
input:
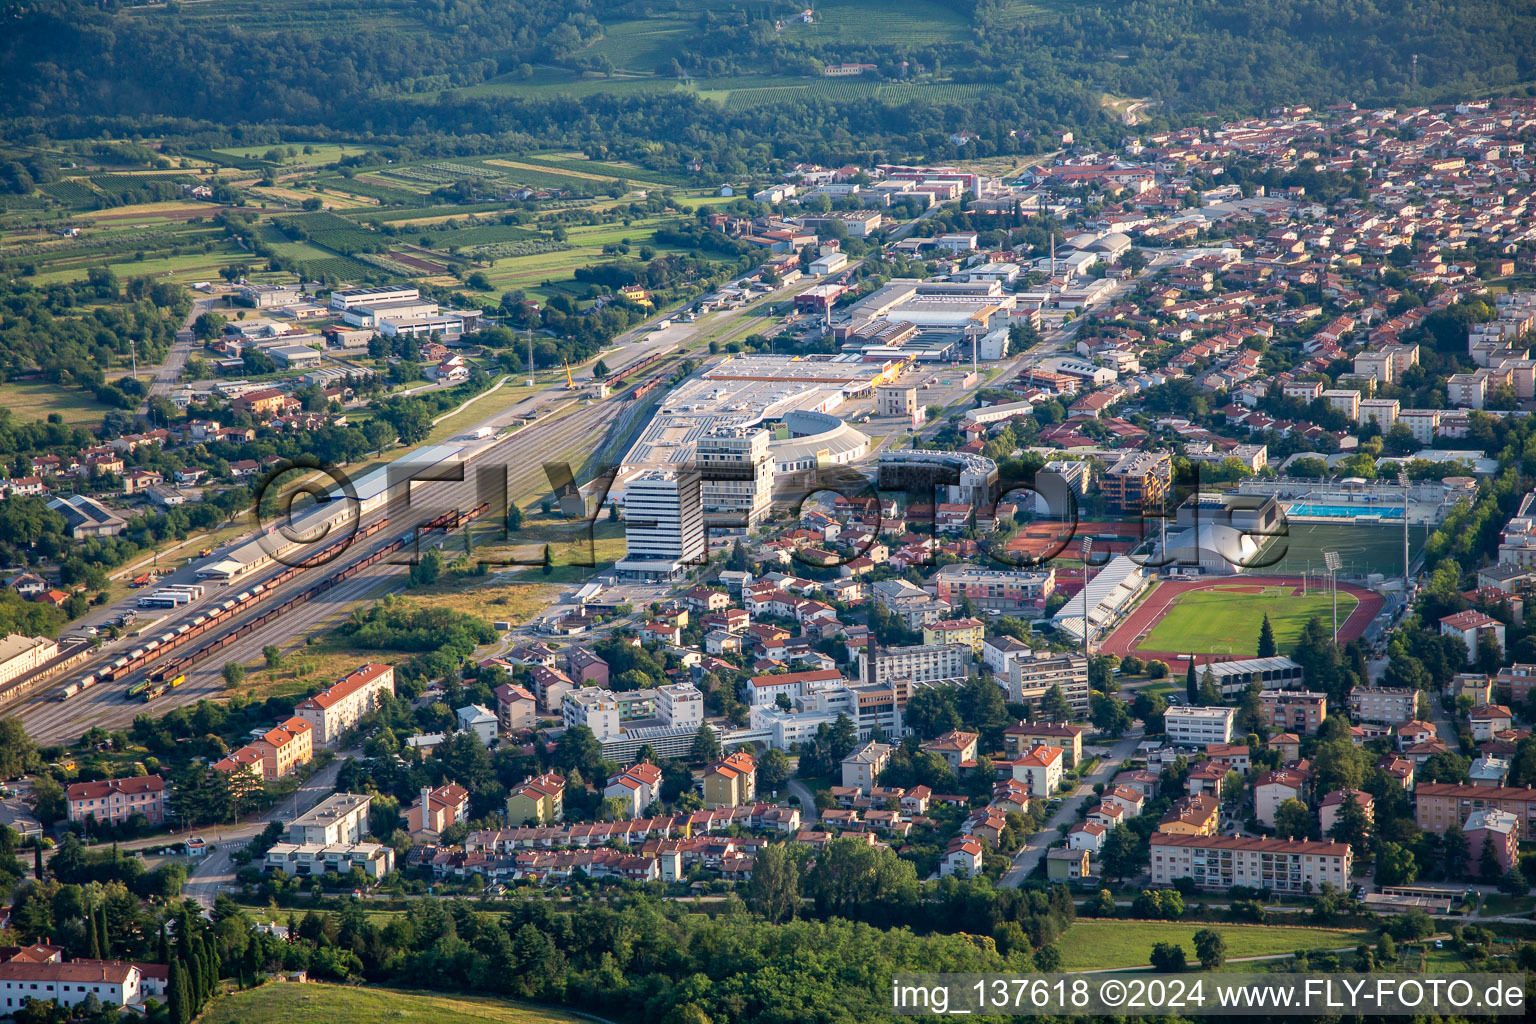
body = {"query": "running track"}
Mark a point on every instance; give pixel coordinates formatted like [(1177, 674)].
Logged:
[(1128, 635)]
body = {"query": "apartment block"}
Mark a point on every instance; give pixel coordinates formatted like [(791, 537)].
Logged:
[(1137, 481), (117, 800), (1384, 705), (341, 706), (1220, 862), (995, 589), (1439, 805), (1031, 676), (921, 663), (1298, 711)]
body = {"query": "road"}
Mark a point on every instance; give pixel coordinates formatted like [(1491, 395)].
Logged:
[(1029, 855), (218, 867)]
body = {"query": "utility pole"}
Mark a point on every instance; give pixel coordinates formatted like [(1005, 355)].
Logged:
[(530, 357), (1331, 560), (1087, 643), (133, 352), (1402, 480)]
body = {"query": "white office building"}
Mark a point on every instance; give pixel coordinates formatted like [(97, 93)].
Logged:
[(593, 707), (1198, 726), (663, 523)]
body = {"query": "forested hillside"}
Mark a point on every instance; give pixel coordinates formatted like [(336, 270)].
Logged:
[(624, 74)]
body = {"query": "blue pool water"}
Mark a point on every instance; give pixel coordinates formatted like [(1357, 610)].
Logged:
[(1345, 511)]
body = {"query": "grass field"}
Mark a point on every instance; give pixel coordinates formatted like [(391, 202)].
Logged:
[(1221, 621), (278, 1003), (1363, 548), (1090, 944), (37, 401)]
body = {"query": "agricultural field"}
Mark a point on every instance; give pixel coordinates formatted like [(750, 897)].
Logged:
[(1090, 944), (900, 21), (1220, 621), (277, 1003), (28, 401)]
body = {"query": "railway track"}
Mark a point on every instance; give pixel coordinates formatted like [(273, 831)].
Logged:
[(49, 720)]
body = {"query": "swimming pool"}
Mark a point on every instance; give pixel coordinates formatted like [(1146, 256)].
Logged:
[(1345, 511)]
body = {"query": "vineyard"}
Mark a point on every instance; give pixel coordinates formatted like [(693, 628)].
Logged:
[(371, 190), (72, 193), (335, 268), (423, 212), (900, 22), (639, 45), (331, 231), (239, 163), (636, 174), (116, 183), (481, 234)]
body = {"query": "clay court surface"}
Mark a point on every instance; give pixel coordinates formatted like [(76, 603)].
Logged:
[(1222, 616)]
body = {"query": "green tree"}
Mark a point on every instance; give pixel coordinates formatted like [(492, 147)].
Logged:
[(1210, 948), (1054, 705), (1293, 820), (1168, 957), (1121, 853), (273, 655), (706, 744), (1395, 865), (774, 888), (234, 673), (1192, 683), (18, 754), (1266, 638)]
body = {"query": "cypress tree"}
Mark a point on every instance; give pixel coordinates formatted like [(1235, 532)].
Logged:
[(1192, 684), (176, 989), (252, 971), (93, 945), (37, 859), (163, 948), (106, 936), (194, 971)]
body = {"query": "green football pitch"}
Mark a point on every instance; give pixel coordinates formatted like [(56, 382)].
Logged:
[(1227, 621)]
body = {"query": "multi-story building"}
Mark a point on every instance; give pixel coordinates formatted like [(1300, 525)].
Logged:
[(1220, 862), (921, 663), (956, 746), (1274, 788), (862, 767), (339, 818), (1137, 481), (999, 653), (584, 667), (1439, 805), (1488, 720), (970, 632), (437, 809), (1197, 726), (305, 860), (1495, 828), (22, 654), (277, 751), (1515, 682), (737, 475), (1298, 711), (537, 801), (1025, 736), (663, 523), (1040, 769), (1470, 626), (1015, 592), (1384, 705), (638, 788), (730, 781), (516, 708), (1031, 677), (593, 707), (1331, 806), (342, 705), (117, 800), (680, 705), (112, 982)]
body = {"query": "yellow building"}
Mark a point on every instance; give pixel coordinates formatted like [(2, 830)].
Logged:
[(730, 782), (538, 801), (971, 632), (1192, 816)]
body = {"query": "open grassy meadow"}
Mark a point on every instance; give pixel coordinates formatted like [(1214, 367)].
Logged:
[(1222, 621), (278, 1003), (1093, 944)]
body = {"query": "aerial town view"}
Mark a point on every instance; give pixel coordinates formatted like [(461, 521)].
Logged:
[(697, 512)]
